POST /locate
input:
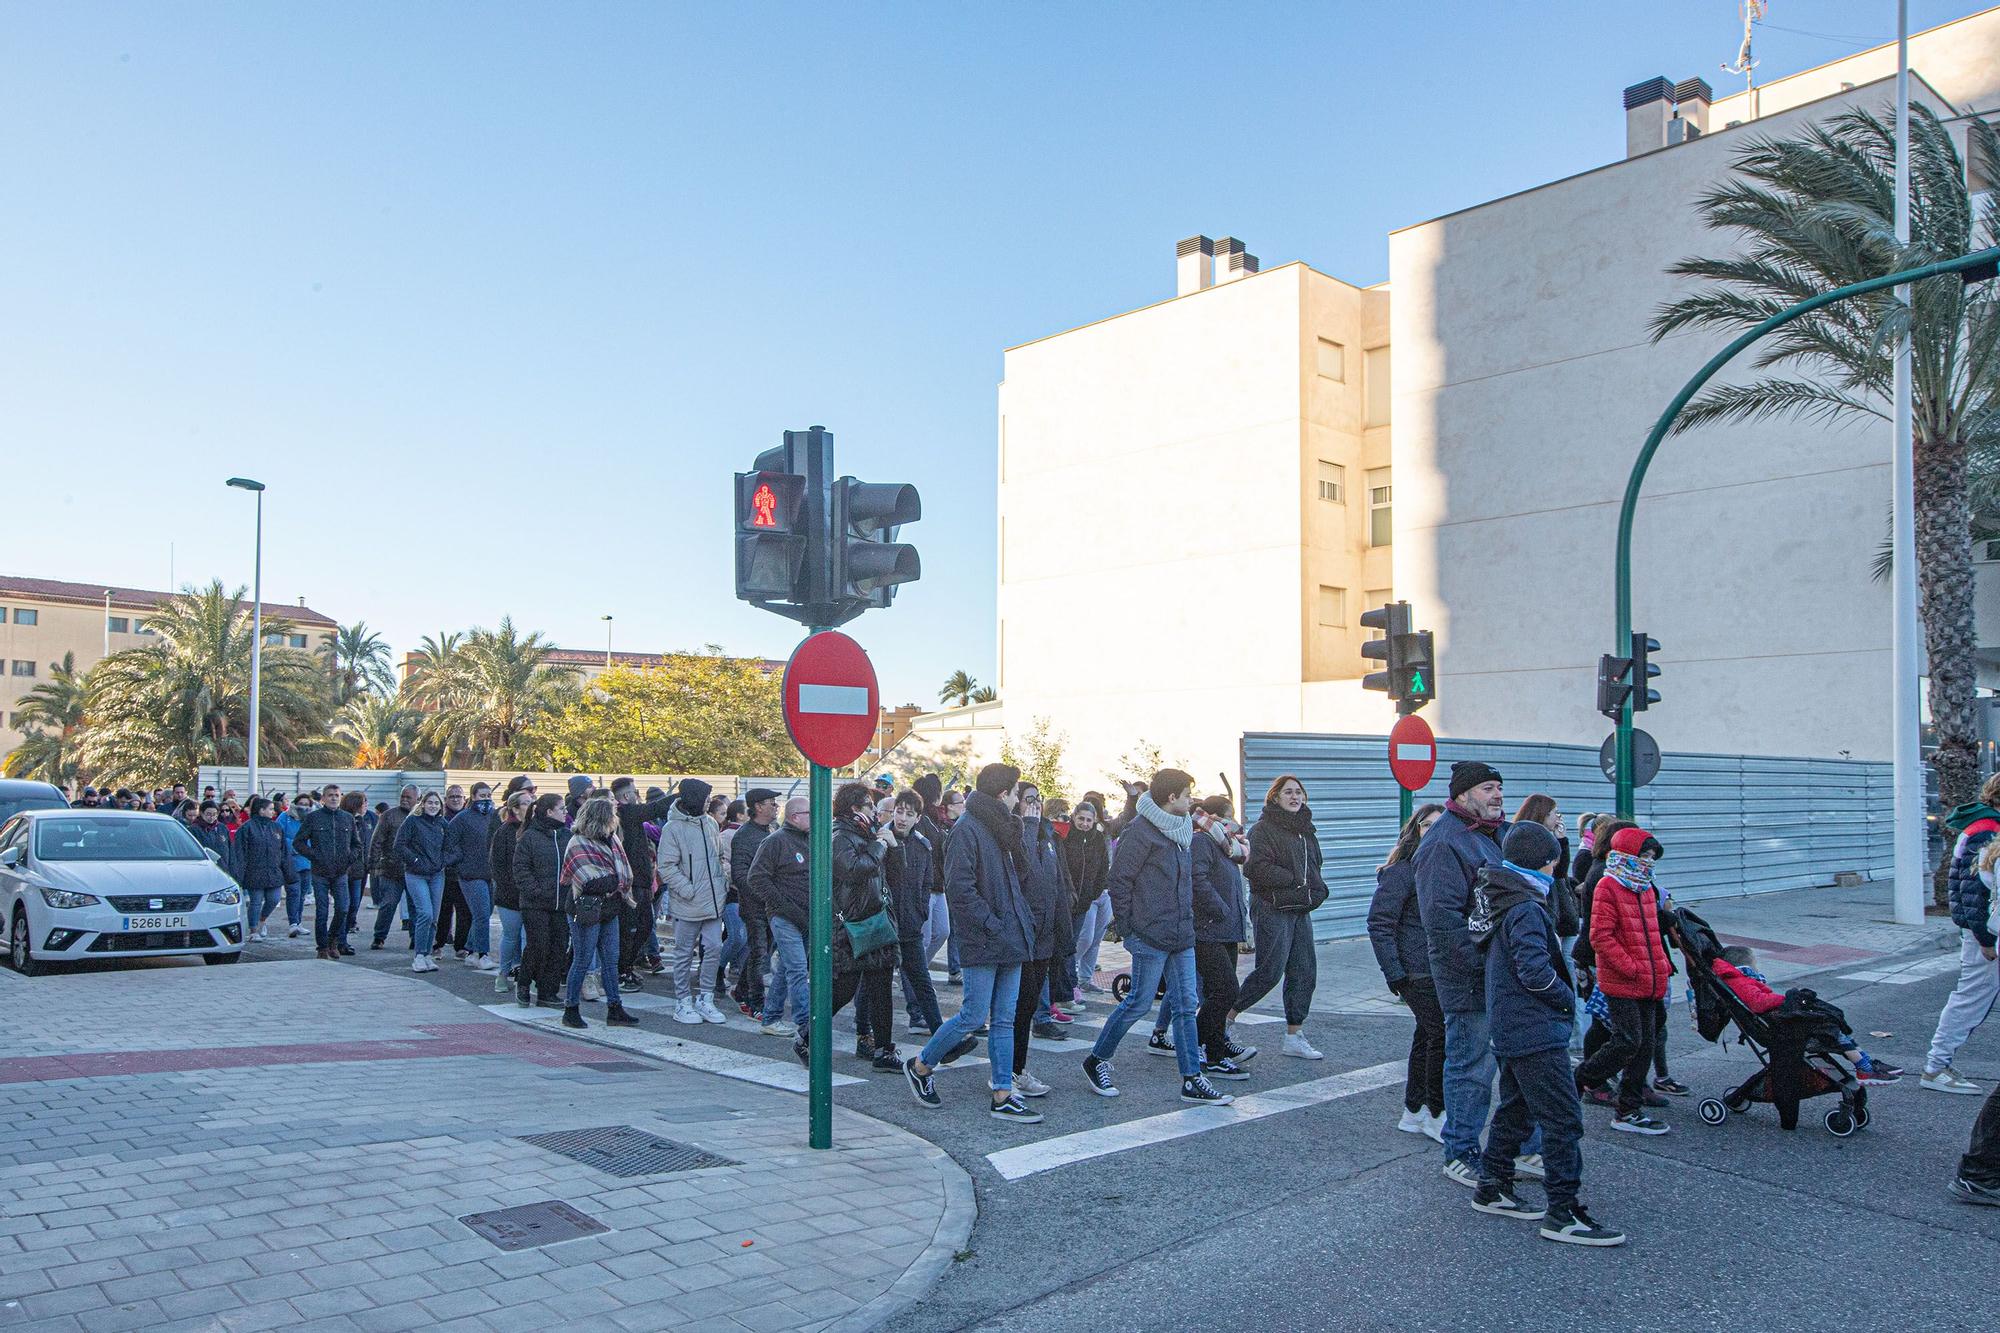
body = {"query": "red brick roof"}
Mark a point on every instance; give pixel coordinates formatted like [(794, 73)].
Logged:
[(132, 599)]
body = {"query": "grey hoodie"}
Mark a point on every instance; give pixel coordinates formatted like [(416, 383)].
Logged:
[(690, 867)]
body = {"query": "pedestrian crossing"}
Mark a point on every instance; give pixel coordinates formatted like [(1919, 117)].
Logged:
[(1907, 973)]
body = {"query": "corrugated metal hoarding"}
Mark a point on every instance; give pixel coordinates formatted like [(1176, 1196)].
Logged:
[(1731, 824)]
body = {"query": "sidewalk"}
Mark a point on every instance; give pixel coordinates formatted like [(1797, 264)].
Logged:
[(297, 1145)]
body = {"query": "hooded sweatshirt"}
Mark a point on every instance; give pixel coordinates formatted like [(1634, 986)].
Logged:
[(690, 864), (1530, 998)]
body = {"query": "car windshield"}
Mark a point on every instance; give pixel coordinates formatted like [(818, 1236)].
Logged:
[(144, 838), (14, 805)]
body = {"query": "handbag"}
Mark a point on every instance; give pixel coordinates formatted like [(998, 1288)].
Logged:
[(870, 933)]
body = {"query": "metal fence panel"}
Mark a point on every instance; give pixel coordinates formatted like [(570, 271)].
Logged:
[(1732, 824)]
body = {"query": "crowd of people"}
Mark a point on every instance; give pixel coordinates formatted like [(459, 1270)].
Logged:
[(1512, 954)]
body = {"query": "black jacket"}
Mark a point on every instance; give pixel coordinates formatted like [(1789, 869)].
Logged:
[(261, 859), (859, 892), (1285, 869), (939, 837), (781, 877), (383, 858), (742, 852), (990, 916), (1218, 893), (537, 866), (1563, 906), (215, 837), (1087, 858), (420, 844), (1395, 927), (329, 841), (1047, 886), (638, 847), (1152, 887), (468, 842), (500, 860), (1447, 861), (908, 868), (1529, 996)]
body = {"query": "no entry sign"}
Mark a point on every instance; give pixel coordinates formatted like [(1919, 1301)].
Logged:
[(1413, 752), (831, 699)]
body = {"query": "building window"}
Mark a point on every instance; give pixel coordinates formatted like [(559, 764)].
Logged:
[(23, 668), (1380, 530), (1332, 606), (296, 641), (14, 721), (1332, 482), (1332, 361), (1379, 597), (23, 616), (140, 627), (118, 624), (1375, 364)]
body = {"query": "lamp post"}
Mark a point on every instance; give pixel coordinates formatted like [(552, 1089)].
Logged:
[(256, 619), (607, 641), (107, 622)]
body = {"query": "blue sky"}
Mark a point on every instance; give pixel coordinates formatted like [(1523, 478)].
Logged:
[(496, 297)]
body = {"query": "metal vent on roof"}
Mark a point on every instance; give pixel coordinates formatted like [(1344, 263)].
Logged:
[(533, 1224), (621, 1150)]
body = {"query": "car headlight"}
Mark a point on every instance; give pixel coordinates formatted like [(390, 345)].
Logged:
[(227, 897), (63, 898)]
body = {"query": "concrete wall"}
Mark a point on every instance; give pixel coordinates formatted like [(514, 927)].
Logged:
[(1957, 59)]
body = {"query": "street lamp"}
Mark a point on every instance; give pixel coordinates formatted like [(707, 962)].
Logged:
[(256, 619), (607, 641), (107, 622)]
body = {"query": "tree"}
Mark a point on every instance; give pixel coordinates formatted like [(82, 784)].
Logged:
[(51, 720), (482, 692), (696, 713), (381, 730), (1039, 756), (357, 661), (985, 694), (1816, 212), (958, 689), (163, 710), (435, 669)]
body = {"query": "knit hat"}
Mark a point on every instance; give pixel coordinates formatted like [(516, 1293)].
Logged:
[(1637, 842), (579, 786), (1469, 773), (996, 779), (756, 796), (1530, 846)]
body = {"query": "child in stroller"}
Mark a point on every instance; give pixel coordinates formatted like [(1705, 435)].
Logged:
[(1737, 969), (1798, 1042)]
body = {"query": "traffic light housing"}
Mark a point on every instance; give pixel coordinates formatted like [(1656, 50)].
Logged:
[(1630, 677), (1643, 671), (1614, 682), (1408, 658), (868, 562), (770, 547)]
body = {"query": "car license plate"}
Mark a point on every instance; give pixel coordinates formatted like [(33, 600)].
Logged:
[(155, 923)]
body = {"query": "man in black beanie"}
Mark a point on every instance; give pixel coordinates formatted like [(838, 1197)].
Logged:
[(1465, 838)]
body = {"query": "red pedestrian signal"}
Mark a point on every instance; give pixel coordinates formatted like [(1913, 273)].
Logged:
[(764, 506)]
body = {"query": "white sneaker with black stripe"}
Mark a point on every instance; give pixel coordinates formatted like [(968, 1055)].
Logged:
[(1490, 1198), (1461, 1172), (1574, 1226)]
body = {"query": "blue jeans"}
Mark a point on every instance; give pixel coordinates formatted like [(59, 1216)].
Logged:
[(422, 893), (389, 889), (510, 940), (329, 902), (479, 906), (1581, 1018), (1469, 1071), (262, 903), (295, 898), (788, 973), (1148, 966), (735, 944), (951, 963), (1090, 929), (352, 908), (593, 948), (990, 991), (937, 927)]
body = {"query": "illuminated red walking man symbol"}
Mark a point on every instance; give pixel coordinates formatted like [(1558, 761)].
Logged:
[(765, 502)]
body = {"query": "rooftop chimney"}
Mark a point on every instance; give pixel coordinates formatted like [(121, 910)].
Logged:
[(1231, 262), (1692, 98), (1194, 265), (1648, 107)]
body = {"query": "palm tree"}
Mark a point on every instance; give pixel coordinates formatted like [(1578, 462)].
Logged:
[(489, 689), (51, 719), (357, 661), (985, 694), (434, 669), (958, 689), (380, 729), (184, 700), (1817, 212)]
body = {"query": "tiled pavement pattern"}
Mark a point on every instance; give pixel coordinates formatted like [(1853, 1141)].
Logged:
[(244, 1190)]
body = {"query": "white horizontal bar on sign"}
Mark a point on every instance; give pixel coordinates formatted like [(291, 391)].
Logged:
[(839, 700), (1415, 751), (1068, 1149)]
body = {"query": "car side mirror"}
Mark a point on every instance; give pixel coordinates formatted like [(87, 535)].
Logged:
[(11, 857), (213, 855)]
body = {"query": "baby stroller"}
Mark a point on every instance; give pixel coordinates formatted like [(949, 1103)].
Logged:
[(1797, 1045)]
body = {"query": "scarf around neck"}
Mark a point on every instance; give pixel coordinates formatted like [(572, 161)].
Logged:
[(1478, 823), (1005, 828), (1629, 870), (1178, 828)]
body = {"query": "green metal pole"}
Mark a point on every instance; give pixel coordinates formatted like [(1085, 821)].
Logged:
[(1406, 804), (819, 958), (1627, 511)]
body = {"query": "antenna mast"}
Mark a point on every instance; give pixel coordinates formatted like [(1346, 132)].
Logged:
[(1753, 11)]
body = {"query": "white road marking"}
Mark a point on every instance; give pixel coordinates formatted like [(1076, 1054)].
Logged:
[(1030, 1158), (787, 1073), (1906, 974)]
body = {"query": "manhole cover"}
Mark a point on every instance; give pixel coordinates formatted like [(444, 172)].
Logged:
[(533, 1224), (619, 1067), (621, 1150)]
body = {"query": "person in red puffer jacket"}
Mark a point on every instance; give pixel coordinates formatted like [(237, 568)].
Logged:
[(1632, 971)]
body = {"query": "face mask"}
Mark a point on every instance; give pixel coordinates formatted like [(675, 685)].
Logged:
[(482, 805)]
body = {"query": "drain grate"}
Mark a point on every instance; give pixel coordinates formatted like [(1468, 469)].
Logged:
[(620, 1067), (533, 1224), (621, 1150)]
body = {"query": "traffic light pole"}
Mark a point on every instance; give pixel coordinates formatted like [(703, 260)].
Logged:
[(1406, 803), (1627, 511), (819, 960)]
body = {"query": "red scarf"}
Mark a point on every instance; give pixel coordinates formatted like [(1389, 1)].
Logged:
[(1478, 825)]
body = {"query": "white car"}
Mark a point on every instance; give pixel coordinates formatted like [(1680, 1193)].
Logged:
[(78, 884)]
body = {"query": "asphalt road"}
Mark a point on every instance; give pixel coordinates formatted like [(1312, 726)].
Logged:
[(1325, 1216)]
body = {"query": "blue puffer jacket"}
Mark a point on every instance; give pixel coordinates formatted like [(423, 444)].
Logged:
[(420, 844), (1976, 825), (262, 857), (990, 916), (1530, 999), (1152, 886), (1447, 860), (1218, 893), (297, 865), (1046, 884), (468, 840)]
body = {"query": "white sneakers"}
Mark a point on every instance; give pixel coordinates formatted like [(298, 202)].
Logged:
[(1029, 1086), (423, 963), (1948, 1080), (685, 1012), (1414, 1122), (591, 990), (1433, 1127), (295, 932), (1299, 1048), (480, 962), (777, 1027), (500, 984), (704, 1006)]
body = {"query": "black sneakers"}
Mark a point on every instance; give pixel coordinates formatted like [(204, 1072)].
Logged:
[(1971, 1191), (1049, 1032), (1160, 1044), (922, 1086), (960, 1051), (1491, 1198), (1016, 1110), (1242, 1055), (802, 1049), (1638, 1122), (1224, 1068), (1203, 1093), (1573, 1226), (887, 1061), (862, 1050), (1098, 1074)]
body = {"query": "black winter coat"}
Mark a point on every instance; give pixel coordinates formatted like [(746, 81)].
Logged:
[(1087, 858), (742, 854), (1448, 860), (383, 858), (638, 847), (1395, 927), (1285, 869), (1047, 887), (420, 844), (781, 877), (990, 916), (468, 842), (939, 837), (859, 892), (1152, 888), (215, 837), (909, 871), (329, 841), (1218, 893), (536, 866), (261, 859), (500, 858)]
